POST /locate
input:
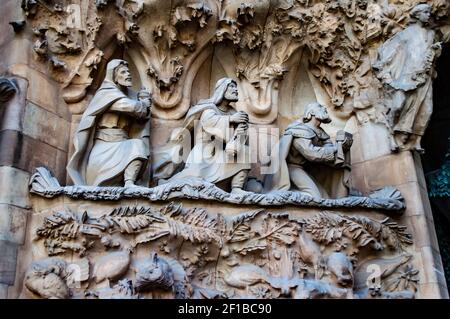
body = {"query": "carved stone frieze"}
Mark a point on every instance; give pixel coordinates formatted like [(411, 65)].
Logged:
[(176, 252), (270, 123)]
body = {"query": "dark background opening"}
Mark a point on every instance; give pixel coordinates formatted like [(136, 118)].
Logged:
[(436, 145)]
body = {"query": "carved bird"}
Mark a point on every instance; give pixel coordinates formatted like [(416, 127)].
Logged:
[(112, 266)]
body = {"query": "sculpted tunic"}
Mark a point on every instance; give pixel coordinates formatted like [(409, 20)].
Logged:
[(208, 159), (113, 131), (306, 161), (405, 64)]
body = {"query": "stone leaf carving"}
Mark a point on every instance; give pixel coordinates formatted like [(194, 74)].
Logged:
[(257, 41), (363, 230), (43, 183), (66, 230), (262, 36), (170, 47), (256, 254), (65, 36)]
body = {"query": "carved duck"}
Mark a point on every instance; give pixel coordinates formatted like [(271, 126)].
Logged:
[(112, 266)]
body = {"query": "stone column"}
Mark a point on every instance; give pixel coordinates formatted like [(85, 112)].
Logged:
[(373, 167), (34, 131)]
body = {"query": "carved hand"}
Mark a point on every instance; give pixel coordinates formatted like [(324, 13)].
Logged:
[(239, 117), (145, 97), (242, 129), (347, 143)]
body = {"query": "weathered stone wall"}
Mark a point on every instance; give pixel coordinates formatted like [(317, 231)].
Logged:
[(34, 131)]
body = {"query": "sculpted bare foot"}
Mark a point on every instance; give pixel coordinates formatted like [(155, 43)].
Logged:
[(129, 184)]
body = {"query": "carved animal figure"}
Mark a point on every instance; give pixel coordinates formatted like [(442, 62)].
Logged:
[(336, 264), (46, 279), (341, 269), (154, 273), (122, 290), (248, 275), (112, 266)]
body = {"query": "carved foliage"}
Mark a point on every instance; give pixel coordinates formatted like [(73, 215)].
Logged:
[(168, 42), (256, 254)]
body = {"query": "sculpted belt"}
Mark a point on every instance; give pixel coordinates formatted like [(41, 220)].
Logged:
[(111, 134)]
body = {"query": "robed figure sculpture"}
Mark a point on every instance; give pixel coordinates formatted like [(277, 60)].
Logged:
[(112, 144), (219, 153)]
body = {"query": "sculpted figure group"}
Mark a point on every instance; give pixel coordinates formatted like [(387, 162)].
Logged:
[(112, 145)]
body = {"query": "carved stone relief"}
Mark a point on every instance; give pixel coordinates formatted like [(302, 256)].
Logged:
[(256, 42), (311, 233), (176, 252)]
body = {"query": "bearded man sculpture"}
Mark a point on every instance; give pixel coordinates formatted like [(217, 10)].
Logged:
[(405, 67), (220, 153), (112, 139), (308, 161)]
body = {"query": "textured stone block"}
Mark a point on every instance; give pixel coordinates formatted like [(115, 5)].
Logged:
[(26, 153), (419, 171), (358, 177), (356, 151), (413, 199), (14, 186), (8, 261), (432, 291), (18, 50), (42, 91), (13, 11), (3, 291), (417, 225), (375, 141), (390, 170), (46, 126), (432, 266), (13, 223)]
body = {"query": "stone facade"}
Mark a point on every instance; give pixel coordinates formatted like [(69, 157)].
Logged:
[(189, 236)]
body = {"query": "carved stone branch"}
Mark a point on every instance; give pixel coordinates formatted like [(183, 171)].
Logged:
[(42, 183)]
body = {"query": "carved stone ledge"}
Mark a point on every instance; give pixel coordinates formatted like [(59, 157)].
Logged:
[(43, 183)]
